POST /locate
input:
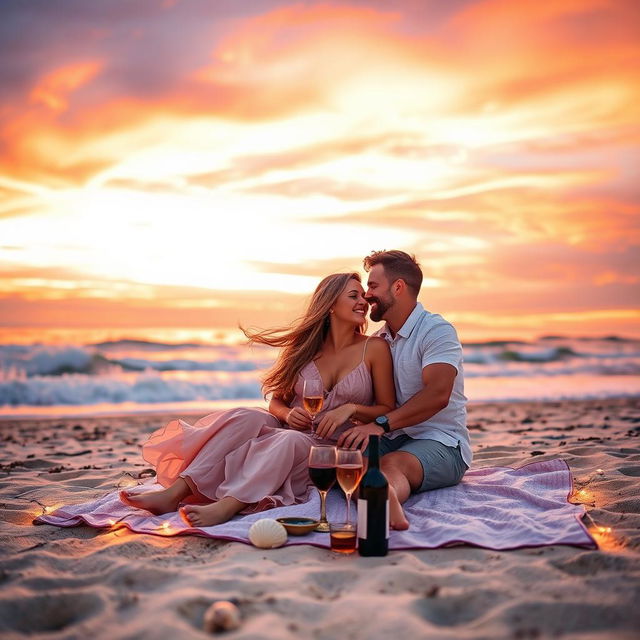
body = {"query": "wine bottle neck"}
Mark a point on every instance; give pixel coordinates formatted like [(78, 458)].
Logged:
[(374, 452)]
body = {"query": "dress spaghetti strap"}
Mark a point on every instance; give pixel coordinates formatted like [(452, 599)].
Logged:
[(364, 350)]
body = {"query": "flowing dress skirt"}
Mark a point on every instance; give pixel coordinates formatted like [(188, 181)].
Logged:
[(244, 453)]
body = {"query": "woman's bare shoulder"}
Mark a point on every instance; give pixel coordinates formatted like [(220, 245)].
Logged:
[(378, 346)]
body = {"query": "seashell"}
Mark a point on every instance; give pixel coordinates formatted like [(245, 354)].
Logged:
[(267, 534), (221, 616)]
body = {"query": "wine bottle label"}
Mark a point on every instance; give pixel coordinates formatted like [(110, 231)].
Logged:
[(386, 535), (362, 518)]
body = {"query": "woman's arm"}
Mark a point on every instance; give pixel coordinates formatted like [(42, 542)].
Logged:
[(378, 358), (296, 417)]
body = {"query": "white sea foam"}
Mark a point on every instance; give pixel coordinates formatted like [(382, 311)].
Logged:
[(140, 372), (81, 389)]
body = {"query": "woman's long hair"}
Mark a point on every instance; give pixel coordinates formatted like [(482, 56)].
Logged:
[(303, 339)]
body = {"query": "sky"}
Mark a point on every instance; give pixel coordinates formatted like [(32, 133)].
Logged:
[(193, 163)]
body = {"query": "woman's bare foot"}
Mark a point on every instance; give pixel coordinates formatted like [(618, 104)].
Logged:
[(209, 515), (158, 502), (397, 519)]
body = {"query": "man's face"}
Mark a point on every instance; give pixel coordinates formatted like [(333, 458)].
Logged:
[(379, 294)]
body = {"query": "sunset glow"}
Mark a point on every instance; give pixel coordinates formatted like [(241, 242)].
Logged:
[(197, 164)]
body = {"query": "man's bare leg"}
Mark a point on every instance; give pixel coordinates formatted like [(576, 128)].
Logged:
[(211, 514), (404, 474), (158, 502)]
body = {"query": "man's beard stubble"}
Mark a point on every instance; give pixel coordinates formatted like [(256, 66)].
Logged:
[(380, 309)]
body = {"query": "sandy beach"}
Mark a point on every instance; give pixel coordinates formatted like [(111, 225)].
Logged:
[(79, 582)]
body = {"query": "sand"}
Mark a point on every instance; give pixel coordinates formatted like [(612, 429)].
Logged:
[(81, 582)]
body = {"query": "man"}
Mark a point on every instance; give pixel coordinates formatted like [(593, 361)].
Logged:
[(425, 443)]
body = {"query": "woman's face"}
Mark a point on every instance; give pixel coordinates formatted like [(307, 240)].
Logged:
[(351, 305)]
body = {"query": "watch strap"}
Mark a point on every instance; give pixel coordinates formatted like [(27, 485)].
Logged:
[(383, 421)]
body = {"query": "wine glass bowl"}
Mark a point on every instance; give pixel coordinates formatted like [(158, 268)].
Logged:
[(322, 471), (313, 398), (349, 469)]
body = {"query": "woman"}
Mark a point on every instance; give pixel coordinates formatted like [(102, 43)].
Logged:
[(242, 459)]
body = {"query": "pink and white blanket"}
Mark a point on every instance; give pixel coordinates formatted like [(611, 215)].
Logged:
[(494, 508)]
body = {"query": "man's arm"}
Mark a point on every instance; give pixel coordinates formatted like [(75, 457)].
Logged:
[(437, 378), (438, 382)]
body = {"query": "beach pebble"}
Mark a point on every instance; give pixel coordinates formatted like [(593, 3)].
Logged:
[(221, 616), (267, 534)]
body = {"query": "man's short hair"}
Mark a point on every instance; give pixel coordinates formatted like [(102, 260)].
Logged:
[(398, 265)]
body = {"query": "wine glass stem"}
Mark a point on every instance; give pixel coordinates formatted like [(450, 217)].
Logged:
[(323, 506), (348, 508)]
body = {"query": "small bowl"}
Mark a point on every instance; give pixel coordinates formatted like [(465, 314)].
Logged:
[(298, 526)]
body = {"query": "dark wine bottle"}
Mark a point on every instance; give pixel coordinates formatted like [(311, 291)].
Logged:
[(373, 507)]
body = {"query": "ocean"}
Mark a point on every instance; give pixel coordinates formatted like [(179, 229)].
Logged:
[(71, 373)]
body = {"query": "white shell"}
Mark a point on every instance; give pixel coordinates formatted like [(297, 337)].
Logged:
[(267, 534), (221, 616)]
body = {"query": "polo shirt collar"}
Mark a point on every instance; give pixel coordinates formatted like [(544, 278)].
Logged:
[(406, 329), (410, 323)]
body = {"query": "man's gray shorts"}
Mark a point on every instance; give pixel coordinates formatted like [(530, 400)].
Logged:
[(442, 466)]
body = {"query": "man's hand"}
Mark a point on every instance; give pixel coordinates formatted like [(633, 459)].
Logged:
[(358, 437), (331, 420), (299, 419)]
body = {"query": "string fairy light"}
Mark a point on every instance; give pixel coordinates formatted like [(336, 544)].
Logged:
[(46, 508), (582, 494), (598, 528), (602, 534)]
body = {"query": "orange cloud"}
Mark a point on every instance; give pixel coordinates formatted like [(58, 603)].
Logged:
[(54, 89), (501, 135)]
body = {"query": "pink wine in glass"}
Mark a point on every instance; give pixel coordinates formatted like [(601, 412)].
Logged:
[(349, 476)]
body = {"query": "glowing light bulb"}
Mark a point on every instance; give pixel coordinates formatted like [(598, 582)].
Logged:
[(166, 526), (112, 521)]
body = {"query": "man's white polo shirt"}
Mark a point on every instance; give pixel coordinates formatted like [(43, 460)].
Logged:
[(427, 338)]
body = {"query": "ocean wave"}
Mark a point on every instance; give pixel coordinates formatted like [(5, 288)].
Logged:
[(18, 361), (564, 353), (151, 345), (140, 371), (525, 369), (79, 389), (140, 364)]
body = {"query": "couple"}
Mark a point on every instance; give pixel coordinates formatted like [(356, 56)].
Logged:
[(405, 384)]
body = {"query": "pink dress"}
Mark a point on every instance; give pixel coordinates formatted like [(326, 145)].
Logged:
[(246, 452)]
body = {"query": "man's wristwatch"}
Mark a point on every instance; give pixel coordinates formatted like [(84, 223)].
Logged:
[(383, 421)]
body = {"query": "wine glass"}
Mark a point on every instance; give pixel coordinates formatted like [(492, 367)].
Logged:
[(349, 472), (322, 471), (313, 399)]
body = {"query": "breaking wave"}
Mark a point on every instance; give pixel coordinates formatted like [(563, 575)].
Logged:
[(143, 372)]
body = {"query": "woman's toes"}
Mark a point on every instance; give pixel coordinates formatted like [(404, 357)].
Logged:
[(188, 517)]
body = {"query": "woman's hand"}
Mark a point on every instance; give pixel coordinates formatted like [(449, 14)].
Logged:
[(358, 437), (298, 419), (331, 420)]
